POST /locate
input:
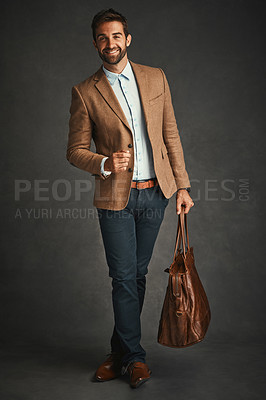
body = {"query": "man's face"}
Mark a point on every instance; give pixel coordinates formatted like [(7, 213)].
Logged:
[(111, 42)]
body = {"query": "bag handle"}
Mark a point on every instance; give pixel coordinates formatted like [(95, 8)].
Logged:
[(180, 235), (184, 229)]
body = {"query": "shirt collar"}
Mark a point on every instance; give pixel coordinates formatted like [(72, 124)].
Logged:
[(126, 73)]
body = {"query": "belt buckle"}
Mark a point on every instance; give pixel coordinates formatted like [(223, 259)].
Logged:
[(137, 184), (143, 181)]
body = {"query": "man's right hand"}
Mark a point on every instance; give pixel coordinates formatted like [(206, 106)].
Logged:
[(118, 161)]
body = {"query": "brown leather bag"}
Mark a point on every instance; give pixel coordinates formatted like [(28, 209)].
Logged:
[(186, 312)]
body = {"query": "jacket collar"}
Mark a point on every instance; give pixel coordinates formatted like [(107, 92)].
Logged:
[(103, 86), (127, 73)]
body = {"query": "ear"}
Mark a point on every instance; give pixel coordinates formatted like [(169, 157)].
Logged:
[(128, 39), (95, 45)]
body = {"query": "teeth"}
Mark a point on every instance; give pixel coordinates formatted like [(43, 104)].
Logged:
[(111, 52)]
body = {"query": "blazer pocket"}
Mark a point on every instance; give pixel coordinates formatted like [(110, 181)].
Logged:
[(155, 99)]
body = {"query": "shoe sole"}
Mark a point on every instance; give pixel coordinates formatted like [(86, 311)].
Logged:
[(140, 382)]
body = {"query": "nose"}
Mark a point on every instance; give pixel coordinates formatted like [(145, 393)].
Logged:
[(110, 42)]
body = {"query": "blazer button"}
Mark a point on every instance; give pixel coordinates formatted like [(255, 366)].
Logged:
[(130, 145), (130, 169)]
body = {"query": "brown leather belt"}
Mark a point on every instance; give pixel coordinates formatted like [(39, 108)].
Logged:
[(144, 184)]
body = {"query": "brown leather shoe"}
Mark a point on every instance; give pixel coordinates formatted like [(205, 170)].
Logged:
[(110, 368), (139, 373)]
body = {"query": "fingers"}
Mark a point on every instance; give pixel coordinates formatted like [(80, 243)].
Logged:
[(122, 154), (178, 206), (188, 206), (184, 201), (121, 160)]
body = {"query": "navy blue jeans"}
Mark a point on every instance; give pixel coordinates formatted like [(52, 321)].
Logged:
[(129, 236)]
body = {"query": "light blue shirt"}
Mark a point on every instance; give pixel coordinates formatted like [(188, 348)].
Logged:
[(125, 88)]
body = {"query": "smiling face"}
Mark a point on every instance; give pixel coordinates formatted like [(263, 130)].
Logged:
[(112, 44)]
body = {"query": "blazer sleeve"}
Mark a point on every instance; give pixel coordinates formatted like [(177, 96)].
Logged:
[(79, 137), (172, 140)]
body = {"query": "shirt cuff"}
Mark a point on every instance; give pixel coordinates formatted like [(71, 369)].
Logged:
[(103, 172)]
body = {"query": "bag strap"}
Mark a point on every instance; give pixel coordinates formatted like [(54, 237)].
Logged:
[(182, 233), (186, 229)]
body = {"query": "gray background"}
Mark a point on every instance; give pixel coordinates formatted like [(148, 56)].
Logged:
[(55, 289)]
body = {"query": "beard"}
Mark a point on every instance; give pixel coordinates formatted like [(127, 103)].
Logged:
[(113, 58)]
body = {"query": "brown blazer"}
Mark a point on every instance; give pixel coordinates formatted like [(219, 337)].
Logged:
[(96, 114)]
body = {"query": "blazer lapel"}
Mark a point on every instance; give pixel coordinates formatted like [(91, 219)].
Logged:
[(103, 86), (143, 88)]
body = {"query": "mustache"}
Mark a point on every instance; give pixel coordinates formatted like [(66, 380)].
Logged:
[(109, 49)]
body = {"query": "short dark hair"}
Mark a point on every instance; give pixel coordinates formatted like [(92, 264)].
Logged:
[(108, 15)]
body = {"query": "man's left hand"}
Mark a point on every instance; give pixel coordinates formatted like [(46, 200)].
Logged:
[(183, 199)]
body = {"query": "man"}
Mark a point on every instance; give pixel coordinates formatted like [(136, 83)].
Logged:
[(138, 165)]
